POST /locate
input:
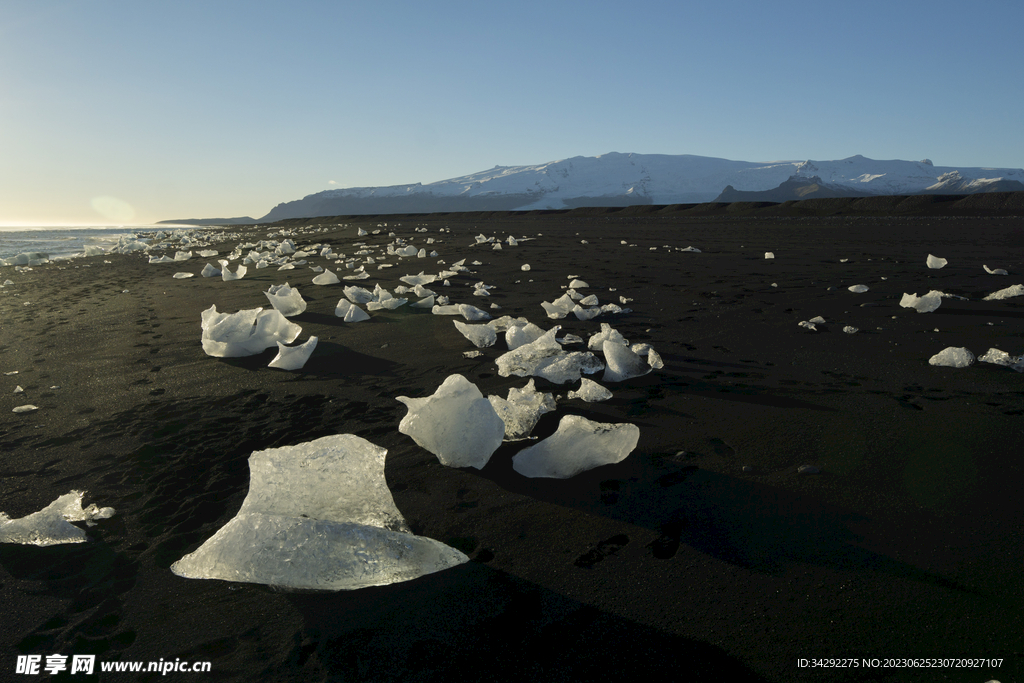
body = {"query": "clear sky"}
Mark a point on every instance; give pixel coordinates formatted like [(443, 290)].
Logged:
[(135, 111)]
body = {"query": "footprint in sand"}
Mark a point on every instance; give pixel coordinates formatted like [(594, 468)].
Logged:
[(667, 545), (601, 551)]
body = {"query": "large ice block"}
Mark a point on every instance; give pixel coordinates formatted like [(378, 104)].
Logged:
[(481, 335), (318, 515), (245, 333), (577, 445), (544, 357), (286, 299), (621, 363), (522, 410), (922, 304), (456, 423), (953, 357)]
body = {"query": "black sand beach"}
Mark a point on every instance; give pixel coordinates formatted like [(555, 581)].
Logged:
[(704, 555)]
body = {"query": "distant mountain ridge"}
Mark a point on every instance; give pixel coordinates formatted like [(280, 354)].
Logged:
[(616, 179)]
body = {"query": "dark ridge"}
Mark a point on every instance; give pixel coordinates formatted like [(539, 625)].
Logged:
[(982, 204)]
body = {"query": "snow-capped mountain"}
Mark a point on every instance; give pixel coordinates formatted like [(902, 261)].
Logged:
[(623, 179)]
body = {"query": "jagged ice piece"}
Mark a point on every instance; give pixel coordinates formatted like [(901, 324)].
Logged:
[(578, 445)]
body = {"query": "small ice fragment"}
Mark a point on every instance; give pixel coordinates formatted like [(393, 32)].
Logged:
[(326, 278), (858, 289), (226, 275), (849, 329), (182, 276), (293, 357), (18, 389), (50, 526), (473, 354), (482, 336), (953, 357), (578, 284), (12, 372), (769, 254), (922, 304), (935, 261), (456, 423), (1015, 290), (473, 313), (817, 320), (996, 271), (808, 469), (589, 300), (522, 410), (607, 333), (570, 339), (622, 363), (808, 325), (586, 313), (1002, 358), (522, 335), (426, 302), (318, 515), (578, 445), (286, 299), (590, 391), (525, 266), (25, 409)]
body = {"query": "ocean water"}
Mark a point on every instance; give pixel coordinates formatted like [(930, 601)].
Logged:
[(64, 242)]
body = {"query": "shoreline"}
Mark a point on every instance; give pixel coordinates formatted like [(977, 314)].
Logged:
[(903, 545)]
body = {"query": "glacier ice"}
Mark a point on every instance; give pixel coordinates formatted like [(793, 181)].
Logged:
[(559, 308), (621, 363), (51, 525), (420, 279), (995, 271), (245, 333), (28, 408), (577, 445), (482, 336), (544, 357), (350, 312), (952, 357), (521, 410), (182, 276), (935, 261), (578, 284), (226, 275), (520, 336), (293, 357), (590, 391), (858, 289), (1008, 292), (607, 333), (456, 423), (586, 313), (1003, 358), (286, 300), (473, 313), (326, 278), (922, 304), (318, 515)]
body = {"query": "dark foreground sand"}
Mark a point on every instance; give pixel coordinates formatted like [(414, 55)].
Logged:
[(675, 564)]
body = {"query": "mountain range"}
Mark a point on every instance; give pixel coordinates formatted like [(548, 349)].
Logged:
[(627, 179)]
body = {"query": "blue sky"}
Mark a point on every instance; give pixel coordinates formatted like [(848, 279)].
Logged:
[(132, 112)]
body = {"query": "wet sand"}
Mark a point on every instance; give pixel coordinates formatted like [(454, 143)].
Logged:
[(703, 555)]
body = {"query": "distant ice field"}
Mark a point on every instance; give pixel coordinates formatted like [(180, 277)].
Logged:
[(63, 242)]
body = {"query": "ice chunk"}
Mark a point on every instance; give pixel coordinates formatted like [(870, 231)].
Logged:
[(350, 312), (922, 304), (182, 255), (607, 333), (769, 254), (1003, 358), (524, 267), (653, 358), (817, 320), (622, 363), (578, 284), (559, 307), (293, 357), (1015, 290), (578, 445), (506, 322), (808, 325), (586, 313), (544, 357), (420, 279), (286, 300), (456, 423), (390, 303), (849, 329), (589, 300), (182, 276), (953, 357), (482, 336), (50, 526), (935, 261), (326, 278), (226, 275), (245, 333), (858, 289), (996, 271), (520, 336), (358, 295), (25, 408), (473, 313), (590, 391), (318, 515), (427, 302), (521, 410)]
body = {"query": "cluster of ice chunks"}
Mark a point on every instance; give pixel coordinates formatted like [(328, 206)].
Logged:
[(318, 515), (456, 423), (52, 525), (544, 357), (350, 312), (245, 333), (286, 300), (952, 357), (577, 445), (999, 357), (922, 304), (27, 258)]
